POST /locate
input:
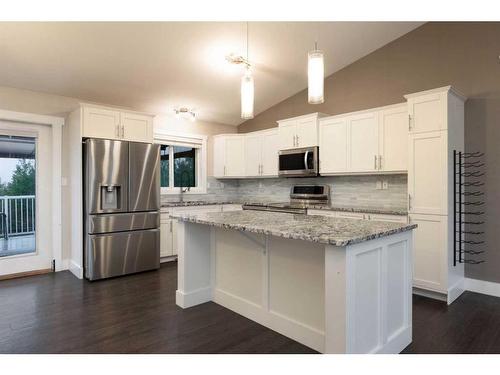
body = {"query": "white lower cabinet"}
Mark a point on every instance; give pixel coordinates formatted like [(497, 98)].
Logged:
[(429, 259), (166, 235), (168, 227)]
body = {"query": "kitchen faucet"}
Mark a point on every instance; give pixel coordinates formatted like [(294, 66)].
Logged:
[(184, 189)]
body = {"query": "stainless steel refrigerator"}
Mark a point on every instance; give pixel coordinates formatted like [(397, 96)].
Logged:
[(121, 208)]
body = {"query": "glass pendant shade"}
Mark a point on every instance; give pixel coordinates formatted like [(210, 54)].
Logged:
[(247, 95), (315, 77)]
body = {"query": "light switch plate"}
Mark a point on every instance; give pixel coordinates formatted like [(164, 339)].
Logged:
[(385, 185)]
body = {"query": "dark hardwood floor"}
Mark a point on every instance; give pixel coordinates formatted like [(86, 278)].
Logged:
[(57, 313)]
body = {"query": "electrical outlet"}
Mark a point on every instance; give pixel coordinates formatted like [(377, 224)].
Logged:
[(378, 186), (385, 185)]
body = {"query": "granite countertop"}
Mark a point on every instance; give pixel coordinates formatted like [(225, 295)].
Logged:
[(368, 210), (330, 207), (333, 207), (196, 203), (320, 229)]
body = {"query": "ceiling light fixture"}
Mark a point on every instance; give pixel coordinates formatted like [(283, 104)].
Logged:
[(247, 84), (185, 112), (247, 90), (315, 76)]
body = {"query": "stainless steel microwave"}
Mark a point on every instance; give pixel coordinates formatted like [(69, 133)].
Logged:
[(298, 162)]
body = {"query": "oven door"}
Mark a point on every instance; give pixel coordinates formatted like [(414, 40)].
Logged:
[(299, 162)]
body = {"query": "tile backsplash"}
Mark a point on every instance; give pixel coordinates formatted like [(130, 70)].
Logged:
[(348, 191)]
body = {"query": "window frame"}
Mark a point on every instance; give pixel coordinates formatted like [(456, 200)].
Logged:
[(187, 140)]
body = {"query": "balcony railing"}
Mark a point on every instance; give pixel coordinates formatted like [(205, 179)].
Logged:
[(17, 215)]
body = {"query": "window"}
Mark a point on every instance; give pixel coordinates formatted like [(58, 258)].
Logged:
[(183, 163)]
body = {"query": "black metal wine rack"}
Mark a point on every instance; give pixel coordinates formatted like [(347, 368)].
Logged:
[(468, 218)]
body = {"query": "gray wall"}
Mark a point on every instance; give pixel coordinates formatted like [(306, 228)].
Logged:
[(462, 54)]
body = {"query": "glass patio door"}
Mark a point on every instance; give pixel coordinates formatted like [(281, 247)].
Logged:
[(25, 198)]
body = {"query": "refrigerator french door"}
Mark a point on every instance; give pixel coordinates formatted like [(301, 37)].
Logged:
[(122, 202)]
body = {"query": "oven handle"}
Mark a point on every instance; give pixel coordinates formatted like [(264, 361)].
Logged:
[(305, 160)]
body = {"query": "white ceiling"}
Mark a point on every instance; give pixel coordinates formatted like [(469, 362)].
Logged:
[(155, 67)]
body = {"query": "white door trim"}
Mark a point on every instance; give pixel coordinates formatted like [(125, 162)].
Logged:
[(56, 124)]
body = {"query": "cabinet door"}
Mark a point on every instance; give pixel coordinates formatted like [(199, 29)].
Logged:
[(430, 252), (363, 142), (427, 173), (270, 148), (235, 156), (427, 113), (307, 132), (175, 248), (219, 150), (166, 238), (393, 139), (287, 131), (333, 139), (101, 123), (253, 155), (136, 127)]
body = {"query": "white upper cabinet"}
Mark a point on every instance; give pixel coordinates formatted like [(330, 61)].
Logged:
[(299, 131), (253, 155), (136, 127), (333, 145), (427, 173), (229, 156), (270, 148), (287, 134), (101, 123), (109, 123), (363, 142), (427, 112), (393, 139), (261, 154), (307, 132)]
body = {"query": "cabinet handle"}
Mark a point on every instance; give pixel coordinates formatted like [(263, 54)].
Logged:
[(294, 141), (409, 202), (170, 227), (409, 122), (224, 170), (380, 162), (123, 131), (297, 140), (117, 130), (375, 162)]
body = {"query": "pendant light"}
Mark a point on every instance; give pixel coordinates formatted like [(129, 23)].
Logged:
[(315, 76), (247, 90)]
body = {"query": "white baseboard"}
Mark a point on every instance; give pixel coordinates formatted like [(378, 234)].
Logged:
[(455, 291), (483, 287), (76, 269), (193, 298), (171, 258)]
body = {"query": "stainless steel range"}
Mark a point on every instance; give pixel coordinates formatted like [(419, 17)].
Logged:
[(122, 202), (301, 197)]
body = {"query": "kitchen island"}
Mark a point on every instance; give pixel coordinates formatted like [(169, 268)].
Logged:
[(335, 285)]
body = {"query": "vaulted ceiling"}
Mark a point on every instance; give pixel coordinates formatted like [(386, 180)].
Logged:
[(157, 66)]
